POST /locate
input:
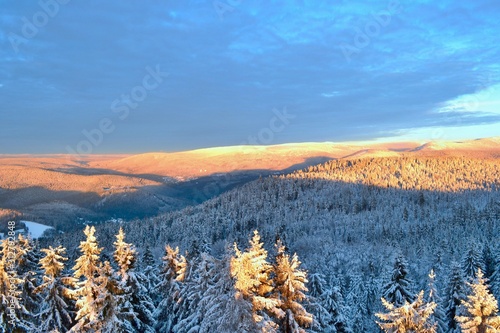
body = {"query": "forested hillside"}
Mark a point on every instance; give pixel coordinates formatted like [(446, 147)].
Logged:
[(363, 229)]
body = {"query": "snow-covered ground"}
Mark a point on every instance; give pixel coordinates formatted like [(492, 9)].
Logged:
[(36, 229)]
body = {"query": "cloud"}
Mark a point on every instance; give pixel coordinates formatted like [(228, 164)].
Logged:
[(227, 75)]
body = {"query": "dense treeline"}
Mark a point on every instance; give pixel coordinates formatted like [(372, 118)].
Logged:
[(241, 292), (411, 173)]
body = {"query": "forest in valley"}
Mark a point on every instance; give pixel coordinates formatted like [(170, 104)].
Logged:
[(405, 244)]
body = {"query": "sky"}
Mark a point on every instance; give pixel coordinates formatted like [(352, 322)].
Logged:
[(137, 76)]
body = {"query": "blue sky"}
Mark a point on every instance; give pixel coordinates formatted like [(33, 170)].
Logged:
[(136, 76)]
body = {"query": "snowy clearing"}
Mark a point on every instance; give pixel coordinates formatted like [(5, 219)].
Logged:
[(36, 229)]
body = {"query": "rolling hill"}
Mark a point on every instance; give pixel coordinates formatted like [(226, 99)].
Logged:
[(61, 189)]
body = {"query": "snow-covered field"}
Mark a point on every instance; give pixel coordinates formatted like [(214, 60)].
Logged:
[(36, 229)]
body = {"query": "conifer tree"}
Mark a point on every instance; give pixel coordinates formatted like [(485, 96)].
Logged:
[(399, 290), (480, 309), (96, 290), (135, 307), (29, 271), (316, 285), (495, 276), (109, 309), (409, 317), (333, 302), (290, 286), (13, 312), (171, 276), (150, 270), (253, 283), (225, 311), (125, 256), (55, 314), (321, 317), (357, 298), (472, 261), (454, 296), (439, 316), (194, 304)]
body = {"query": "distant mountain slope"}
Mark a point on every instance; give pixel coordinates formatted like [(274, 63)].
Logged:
[(202, 162), (65, 188)]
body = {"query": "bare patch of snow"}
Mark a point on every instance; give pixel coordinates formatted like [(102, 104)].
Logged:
[(36, 230)]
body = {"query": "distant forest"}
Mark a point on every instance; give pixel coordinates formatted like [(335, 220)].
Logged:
[(358, 245)]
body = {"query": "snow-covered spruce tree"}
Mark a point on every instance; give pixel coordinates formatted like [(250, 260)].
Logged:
[(454, 296), (495, 276), (193, 303), (222, 310), (410, 317), (29, 271), (94, 300), (317, 285), (489, 260), (124, 255), (357, 300), (439, 316), (333, 302), (480, 309), (472, 261), (151, 272), (111, 321), (135, 307), (55, 313), (399, 290), (321, 317), (13, 312), (226, 310), (372, 287), (171, 276), (290, 287), (253, 284)]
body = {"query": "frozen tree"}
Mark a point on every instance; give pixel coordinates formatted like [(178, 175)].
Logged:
[(317, 285), (489, 261), (225, 308), (290, 286), (95, 293), (135, 307), (413, 317), (28, 269), (399, 289), (171, 276), (472, 261), (253, 283), (480, 309), (495, 276), (333, 302), (55, 314), (321, 317), (13, 312), (125, 256), (454, 296), (111, 319), (357, 299), (194, 304), (439, 315), (150, 270)]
